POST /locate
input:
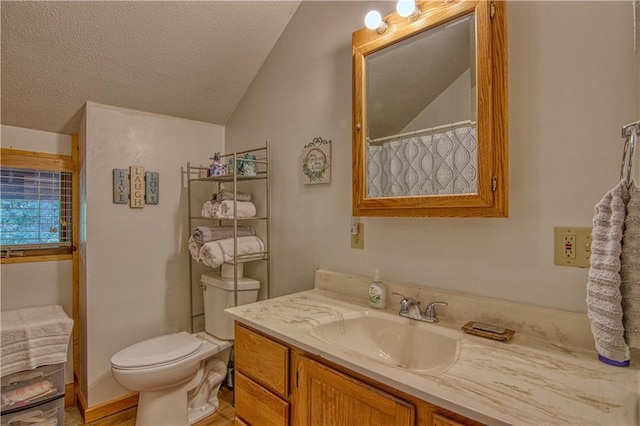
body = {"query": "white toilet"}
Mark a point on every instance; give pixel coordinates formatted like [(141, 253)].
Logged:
[(178, 375)]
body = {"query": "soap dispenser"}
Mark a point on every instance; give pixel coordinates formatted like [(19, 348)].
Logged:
[(377, 292)]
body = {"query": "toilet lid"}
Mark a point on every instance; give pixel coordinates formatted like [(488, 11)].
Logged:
[(158, 350)]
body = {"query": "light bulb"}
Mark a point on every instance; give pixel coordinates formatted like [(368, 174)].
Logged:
[(373, 20), (406, 7)]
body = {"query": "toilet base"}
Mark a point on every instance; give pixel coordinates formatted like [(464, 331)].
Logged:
[(165, 407), (197, 414)]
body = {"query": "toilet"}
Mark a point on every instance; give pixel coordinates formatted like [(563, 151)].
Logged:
[(178, 375)]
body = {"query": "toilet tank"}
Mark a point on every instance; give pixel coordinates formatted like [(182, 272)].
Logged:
[(218, 295)]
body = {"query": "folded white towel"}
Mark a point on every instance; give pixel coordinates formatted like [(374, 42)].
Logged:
[(214, 253), (26, 336), (604, 301), (630, 269)]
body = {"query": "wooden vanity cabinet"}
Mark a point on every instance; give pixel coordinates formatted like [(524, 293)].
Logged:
[(261, 379), (324, 396), (277, 384)]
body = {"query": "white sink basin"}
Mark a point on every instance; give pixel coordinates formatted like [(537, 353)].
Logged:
[(392, 340)]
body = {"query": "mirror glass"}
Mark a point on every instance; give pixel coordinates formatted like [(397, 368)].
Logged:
[(420, 126)]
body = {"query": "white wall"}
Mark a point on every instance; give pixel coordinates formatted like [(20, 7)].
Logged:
[(134, 262), (38, 283), (450, 106), (573, 80)]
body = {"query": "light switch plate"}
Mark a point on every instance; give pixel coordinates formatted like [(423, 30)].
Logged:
[(572, 246)]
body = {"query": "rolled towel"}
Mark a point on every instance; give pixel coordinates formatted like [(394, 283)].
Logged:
[(204, 234), (225, 194), (214, 253), (194, 249), (246, 209), (210, 209)]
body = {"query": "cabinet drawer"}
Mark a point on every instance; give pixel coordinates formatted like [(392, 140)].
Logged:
[(28, 388), (50, 414), (263, 360), (257, 406)]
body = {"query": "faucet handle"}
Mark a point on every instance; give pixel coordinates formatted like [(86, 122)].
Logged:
[(404, 303), (406, 298), (430, 311)]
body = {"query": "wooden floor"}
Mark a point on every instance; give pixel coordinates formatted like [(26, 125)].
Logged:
[(223, 417)]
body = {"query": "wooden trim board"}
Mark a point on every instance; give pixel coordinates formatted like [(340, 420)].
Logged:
[(91, 414)]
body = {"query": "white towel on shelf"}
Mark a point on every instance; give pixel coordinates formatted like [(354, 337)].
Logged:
[(604, 300), (194, 249), (210, 209), (224, 209), (215, 253), (33, 337), (246, 209), (630, 269)]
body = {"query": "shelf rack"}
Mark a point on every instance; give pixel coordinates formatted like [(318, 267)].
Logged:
[(263, 174)]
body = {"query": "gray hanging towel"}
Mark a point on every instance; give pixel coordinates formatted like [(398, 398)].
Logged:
[(604, 300)]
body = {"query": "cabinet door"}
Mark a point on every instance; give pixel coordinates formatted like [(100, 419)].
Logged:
[(324, 396), (440, 420)]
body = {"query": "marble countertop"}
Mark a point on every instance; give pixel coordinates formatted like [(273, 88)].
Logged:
[(523, 382)]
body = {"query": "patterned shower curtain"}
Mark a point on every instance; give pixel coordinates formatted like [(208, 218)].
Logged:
[(440, 163)]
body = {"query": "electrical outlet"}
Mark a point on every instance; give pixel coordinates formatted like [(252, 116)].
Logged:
[(357, 240), (569, 247), (572, 246)]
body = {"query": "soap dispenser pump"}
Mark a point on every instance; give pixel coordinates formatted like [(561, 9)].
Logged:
[(377, 292)]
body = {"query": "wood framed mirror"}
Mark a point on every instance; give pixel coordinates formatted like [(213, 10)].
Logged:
[(430, 135)]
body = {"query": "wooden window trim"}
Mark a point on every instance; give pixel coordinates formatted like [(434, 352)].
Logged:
[(35, 160), (40, 161)]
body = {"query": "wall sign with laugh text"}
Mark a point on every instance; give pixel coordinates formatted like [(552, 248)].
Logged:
[(136, 187)]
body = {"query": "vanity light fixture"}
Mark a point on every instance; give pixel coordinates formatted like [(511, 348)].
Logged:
[(408, 9), (373, 20), (405, 8)]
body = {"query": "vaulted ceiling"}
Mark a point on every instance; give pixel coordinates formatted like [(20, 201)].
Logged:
[(187, 59)]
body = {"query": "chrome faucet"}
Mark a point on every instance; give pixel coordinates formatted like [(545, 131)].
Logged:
[(410, 308)]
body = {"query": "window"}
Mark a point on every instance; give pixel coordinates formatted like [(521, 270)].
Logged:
[(35, 206)]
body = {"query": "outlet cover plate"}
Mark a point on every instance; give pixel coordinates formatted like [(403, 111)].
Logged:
[(579, 237), (357, 240)]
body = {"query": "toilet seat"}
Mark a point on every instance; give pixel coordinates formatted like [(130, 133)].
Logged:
[(157, 351)]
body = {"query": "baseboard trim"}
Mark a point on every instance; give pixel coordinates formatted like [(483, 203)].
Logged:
[(91, 414), (69, 395)]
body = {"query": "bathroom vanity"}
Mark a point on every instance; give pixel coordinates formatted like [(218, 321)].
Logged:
[(280, 384), (324, 357)]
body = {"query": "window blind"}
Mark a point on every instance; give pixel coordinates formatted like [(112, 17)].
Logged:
[(35, 209)]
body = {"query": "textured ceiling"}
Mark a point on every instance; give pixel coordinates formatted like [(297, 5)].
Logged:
[(187, 59)]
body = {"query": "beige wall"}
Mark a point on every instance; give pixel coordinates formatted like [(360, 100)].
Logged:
[(39, 283), (573, 80), (134, 262)]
